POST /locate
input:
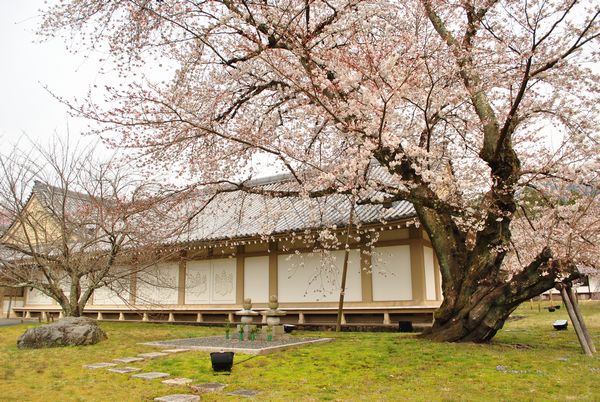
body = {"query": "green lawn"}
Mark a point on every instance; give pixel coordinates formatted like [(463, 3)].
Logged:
[(539, 364)]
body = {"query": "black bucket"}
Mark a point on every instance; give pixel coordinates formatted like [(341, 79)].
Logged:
[(221, 361)]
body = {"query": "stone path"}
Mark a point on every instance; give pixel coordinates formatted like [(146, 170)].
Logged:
[(179, 381)]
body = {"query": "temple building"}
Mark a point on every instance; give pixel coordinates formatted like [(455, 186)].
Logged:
[(251, 246)]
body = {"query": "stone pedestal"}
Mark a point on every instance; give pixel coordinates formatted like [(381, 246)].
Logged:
[(247, 315)]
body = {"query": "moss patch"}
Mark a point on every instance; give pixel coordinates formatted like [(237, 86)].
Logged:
[(528, 360)]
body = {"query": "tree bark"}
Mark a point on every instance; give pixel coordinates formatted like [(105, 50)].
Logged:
[(476, 316)]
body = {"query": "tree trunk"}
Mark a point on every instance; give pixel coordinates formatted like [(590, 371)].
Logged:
[(477, 314)]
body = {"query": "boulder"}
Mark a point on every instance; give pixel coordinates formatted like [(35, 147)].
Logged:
[(69, 331)]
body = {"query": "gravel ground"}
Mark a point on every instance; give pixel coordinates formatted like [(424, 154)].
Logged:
[(221, 342)]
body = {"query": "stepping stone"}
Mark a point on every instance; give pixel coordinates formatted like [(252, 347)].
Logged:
[(178, 398), (208, 387), (152, 355), (128, 359), (178, 381), (94, 366), (151, 375), (124, 370), (249, 393), (175, 350)]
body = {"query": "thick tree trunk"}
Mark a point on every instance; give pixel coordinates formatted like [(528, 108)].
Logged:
[(476, 315), (478, 322)]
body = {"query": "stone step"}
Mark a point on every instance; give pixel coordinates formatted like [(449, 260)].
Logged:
[(124, 370), (94, 366), (208, 387), (128, 359), (151, 375), (248, 393), (152, 355), (178, 381)]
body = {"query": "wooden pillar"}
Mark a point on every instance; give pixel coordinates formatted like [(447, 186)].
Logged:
[(182, 277), (199, 317), (273, 285), (239, 275), (121, 317), (133, 289), (417, 265), (2, 302), (366, 275), (171, 317), (99, 316), (438, 277)]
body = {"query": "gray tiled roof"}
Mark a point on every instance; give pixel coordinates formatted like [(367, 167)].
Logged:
[(53, 198), (238, 214)]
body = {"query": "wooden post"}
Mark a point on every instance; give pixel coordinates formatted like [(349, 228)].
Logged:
[(574, 320), (586, 333), (340, 313), (10, 300)]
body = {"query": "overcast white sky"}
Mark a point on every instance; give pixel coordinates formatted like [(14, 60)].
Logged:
[(26, 66)]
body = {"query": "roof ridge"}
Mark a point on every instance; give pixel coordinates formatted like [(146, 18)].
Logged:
[(277, 178), (41, 186)]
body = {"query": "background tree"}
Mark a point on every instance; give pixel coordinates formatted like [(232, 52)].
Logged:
[(454, 106), (78, 224)]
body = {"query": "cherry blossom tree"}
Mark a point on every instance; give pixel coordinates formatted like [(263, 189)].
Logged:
[(78, 224), (461, 107)]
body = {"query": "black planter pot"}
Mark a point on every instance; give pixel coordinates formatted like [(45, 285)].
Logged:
[(560, 325), (288, 328), (221, 361)]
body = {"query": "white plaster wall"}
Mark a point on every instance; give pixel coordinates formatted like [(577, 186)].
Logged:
[(223, 280), (595, 284), (117, 293), (15, 303), (211, 281), (429, 274), (391, 273), (256, 279), (35, 297), (197, 282), (316, 277), (158, 284)]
